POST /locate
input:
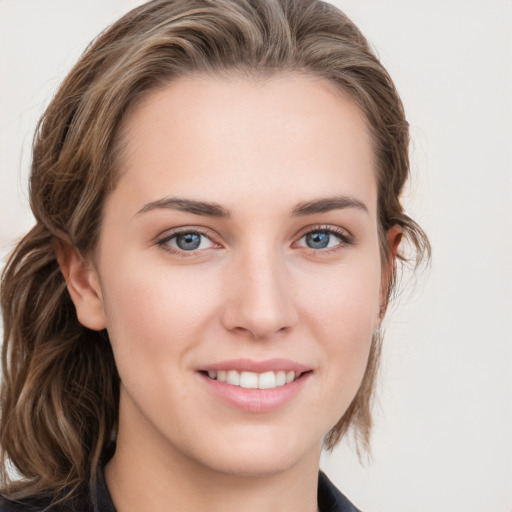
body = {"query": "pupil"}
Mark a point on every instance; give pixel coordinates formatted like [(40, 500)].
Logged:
[(317, 240), (189, 241)]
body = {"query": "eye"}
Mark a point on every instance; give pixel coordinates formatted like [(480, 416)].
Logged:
[(186, 241), (325, 238)]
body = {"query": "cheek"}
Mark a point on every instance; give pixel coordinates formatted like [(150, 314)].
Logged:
[(344, 314), (155, 320), (154, 313), (346, 300)]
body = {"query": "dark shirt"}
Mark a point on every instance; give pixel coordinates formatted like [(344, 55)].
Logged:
[(329, 500)]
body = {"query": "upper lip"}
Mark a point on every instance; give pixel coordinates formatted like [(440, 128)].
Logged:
[(250, 365)]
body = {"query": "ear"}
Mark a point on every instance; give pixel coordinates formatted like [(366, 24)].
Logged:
[(394, 236), (83, 285)]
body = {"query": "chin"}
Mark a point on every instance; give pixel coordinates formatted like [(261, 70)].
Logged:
[(260, 454), (254, 467)]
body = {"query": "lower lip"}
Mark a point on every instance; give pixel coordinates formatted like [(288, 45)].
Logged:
[(256, 400)]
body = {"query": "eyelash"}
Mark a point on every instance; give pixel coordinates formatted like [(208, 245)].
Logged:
[(345, 239), (163, 243)]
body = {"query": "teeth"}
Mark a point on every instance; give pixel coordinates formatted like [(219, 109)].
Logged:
[(233, 378), (267, 380), (251, 380)]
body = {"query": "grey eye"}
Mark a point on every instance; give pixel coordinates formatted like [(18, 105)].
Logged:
[(321, 239), (188, 241), (318, 240)]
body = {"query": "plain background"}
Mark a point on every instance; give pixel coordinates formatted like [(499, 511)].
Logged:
[(443, 436)]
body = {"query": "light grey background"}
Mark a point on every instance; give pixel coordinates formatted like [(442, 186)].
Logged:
[(443, 437)]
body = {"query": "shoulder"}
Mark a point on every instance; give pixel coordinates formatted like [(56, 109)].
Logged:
[(330, 499), (28, 505), (39, 504), (90, 497)]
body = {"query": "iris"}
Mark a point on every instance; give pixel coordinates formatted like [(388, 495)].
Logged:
[(317, 240), (188, 241)]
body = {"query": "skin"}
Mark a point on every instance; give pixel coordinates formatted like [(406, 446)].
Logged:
[(253, 289)]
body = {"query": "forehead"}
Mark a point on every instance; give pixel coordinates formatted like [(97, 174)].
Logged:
[(292, 135)]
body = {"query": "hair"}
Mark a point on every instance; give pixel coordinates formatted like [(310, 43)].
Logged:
[(60, 391)]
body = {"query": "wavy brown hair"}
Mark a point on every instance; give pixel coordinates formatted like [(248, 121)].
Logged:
[(60, 389)]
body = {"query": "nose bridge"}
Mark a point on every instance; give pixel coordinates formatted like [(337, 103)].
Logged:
[(260, 301)]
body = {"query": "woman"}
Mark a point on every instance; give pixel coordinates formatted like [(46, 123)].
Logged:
[(196, 312)]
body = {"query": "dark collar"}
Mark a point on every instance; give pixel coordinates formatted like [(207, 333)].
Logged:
[(98, 499), (330, 498)]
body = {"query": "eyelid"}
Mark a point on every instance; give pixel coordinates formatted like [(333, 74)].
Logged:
[(346, 238), (163, 239)]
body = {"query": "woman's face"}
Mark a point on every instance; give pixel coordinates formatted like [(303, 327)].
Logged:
[(240, 243)]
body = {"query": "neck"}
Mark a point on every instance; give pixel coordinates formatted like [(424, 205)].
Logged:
[(146, 473)]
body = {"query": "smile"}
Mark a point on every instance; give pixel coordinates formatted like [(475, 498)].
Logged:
[(252, 380), (256, 386)]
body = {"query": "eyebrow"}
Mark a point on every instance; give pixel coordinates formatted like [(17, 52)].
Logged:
[(328, 204), (209, 209), (187, 205)]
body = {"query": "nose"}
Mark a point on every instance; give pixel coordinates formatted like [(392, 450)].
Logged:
[(259, 296)]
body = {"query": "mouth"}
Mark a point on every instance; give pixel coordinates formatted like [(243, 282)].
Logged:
[(253, 380), (256, 386)]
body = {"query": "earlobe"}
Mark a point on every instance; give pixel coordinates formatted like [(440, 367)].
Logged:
[(83, 285)]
